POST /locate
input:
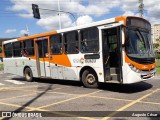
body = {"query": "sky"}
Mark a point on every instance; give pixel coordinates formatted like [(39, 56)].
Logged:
[(15, 15)]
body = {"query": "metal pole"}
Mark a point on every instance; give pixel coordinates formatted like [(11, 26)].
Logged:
[(62, 12), (59, 13), (141, 7)]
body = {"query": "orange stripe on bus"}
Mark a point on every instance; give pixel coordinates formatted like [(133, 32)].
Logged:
[(61, 60), (3, 49), (121, 18), (38, 35)]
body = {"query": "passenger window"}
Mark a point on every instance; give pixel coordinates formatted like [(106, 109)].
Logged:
[(17, 48), (56, 44), (8, 50), (71, 42), (28, 48), (89, 40)]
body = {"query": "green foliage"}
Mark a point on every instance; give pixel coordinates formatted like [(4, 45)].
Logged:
[(1, 66), (158, 67), (157, 56), (0, 50), (156, 45)]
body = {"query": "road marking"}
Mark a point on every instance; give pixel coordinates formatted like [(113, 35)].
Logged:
[(111, 98), (128, 105), (39, 91), (69, 99), (15, 88), (14, 105), (18, 96), (154, 103), (2, 84), (58, 113), (11, 75), (15, 82), (62, 113)]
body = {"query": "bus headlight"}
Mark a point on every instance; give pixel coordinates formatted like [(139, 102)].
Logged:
[(134, 68)]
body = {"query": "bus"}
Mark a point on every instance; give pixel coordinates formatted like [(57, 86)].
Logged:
[(115, 50)]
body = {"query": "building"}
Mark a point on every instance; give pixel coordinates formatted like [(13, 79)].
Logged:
[(155, 32)]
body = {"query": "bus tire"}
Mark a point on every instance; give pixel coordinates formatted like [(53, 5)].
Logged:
[(89, 79), (28, 75)]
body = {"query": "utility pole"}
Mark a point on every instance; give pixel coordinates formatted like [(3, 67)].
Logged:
[(59, 14), (141, 8), (27, 30)]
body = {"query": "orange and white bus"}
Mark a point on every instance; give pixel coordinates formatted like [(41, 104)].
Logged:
[(113, 50)]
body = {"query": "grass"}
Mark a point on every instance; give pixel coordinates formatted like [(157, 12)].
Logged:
[(1, 66), (158, 67)]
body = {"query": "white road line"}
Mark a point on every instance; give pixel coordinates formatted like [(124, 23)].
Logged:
[(15, 82), (12, 75), (1, 84)]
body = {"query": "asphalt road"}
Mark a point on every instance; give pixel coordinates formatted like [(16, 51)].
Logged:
[(63, 99)]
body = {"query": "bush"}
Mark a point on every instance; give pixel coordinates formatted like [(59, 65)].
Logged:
[(1, 67), (157, 56)]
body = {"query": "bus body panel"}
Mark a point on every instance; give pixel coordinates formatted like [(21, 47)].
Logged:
[(17, 65), (68, 66)]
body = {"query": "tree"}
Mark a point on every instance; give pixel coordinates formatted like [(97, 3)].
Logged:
[(0, 50), (157, 44), (158, 40)]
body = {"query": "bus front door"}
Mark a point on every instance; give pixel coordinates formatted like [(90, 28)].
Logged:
[(43, 65), (112, 54)]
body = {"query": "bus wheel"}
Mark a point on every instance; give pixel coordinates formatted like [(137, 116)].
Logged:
[(28, 75), (90, 79)]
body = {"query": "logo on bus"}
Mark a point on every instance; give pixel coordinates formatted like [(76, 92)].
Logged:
[(82, 60), (78, 60), (90, 61)]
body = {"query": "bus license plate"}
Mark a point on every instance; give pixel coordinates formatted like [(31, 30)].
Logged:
[(149, 75)]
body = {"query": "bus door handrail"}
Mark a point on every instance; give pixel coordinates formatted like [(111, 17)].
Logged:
[(107, 60)]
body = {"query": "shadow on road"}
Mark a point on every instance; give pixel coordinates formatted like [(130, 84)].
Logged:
[(31, 101), (128, 88), (121, 88)]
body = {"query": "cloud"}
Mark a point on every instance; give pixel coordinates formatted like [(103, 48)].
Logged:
[(26, 15), (10, 30), (84, 20), (52, 22), (24, 32), (94, 9)]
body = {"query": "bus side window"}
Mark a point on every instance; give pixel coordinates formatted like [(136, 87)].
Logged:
[(89, 40), (84, 46), (17, 48), (28, 48), (56, 44), (8, 50), (71, 42)]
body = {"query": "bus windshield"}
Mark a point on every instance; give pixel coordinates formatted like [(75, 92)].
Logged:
[(139, 44)]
